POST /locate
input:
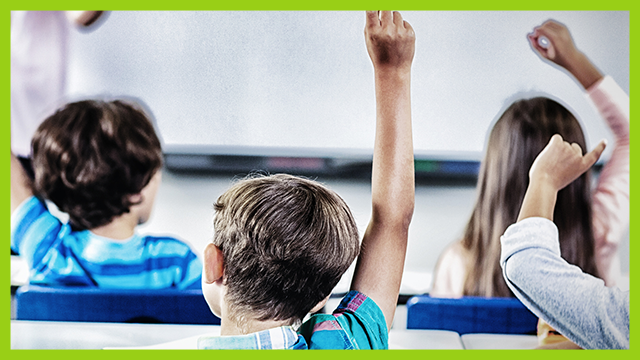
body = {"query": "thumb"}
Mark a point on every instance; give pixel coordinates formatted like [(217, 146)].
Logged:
[(593, 156)]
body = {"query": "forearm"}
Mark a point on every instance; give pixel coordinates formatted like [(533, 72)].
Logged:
[(392, 183), (539, 201), (384, 244), (612, 102), (574, 303), (378, 272), (583, 70)]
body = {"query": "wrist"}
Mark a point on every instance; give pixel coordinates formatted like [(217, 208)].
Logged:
[(542, 181), (393, 72), (539, 200), (583, 70)]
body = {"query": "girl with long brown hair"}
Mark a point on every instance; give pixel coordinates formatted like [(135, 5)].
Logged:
[(590, 224)]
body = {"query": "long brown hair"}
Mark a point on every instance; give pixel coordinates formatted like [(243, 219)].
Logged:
[(516, 139)]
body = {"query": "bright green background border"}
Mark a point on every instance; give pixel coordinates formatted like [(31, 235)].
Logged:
[(297, 5)]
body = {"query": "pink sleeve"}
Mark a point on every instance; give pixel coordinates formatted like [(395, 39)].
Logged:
[(611, 196), (450, 273)]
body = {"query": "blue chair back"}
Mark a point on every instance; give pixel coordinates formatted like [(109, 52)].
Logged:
[(470, 315), (108, 305)]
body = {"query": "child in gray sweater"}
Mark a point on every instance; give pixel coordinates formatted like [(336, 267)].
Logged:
[(577, 305)]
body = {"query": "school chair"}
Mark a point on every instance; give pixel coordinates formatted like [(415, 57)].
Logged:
[(171, 306), (470, 315)]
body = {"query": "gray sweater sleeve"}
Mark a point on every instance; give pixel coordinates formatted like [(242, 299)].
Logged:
[(577, 305)]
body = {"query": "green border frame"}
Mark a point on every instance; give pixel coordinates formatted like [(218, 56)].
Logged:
[(298, 5)]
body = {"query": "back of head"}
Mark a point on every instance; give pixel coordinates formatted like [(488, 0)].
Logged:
[(286, 242), (518, 136), (90, 156)]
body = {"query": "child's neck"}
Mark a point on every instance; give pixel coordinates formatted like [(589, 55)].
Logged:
[(231, 328), (120, 228)]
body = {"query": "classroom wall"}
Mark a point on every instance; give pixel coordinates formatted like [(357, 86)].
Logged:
[(303, 80), (184, 208)]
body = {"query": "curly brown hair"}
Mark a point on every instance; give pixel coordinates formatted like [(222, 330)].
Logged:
[(90, 156)]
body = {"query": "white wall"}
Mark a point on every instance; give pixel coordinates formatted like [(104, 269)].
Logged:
[(304, 80)]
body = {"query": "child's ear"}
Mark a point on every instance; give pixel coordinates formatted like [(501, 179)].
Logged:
[(213, 264), (320, 305), (135, 198)]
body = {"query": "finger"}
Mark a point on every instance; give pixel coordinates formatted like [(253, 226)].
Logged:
[(557, 138), (554, 25), (373, 18), (594, 154), (551, 52), (408, 27), (534, 33), (397, 19), (555, 141), (545, 23), (386, 18), (577, 148), (533, 41), (544, 30), (535, 45)]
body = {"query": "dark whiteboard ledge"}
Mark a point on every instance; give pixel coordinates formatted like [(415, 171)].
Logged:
[(313, 165), (430, 169)]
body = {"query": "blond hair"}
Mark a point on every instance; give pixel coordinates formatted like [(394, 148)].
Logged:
[(286, 242)]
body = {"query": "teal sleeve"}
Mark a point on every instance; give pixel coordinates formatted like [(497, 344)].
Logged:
[(357, 323)]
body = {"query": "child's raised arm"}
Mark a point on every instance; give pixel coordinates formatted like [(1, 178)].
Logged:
[(555, 167), (562, 51), (390, 43), (577, 304)]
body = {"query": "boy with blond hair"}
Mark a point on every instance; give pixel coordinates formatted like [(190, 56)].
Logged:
[(282, 243)]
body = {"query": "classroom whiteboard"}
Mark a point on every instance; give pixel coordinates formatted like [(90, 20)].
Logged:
[(302, 82)]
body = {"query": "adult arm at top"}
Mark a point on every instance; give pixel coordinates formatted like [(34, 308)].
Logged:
[(391, 45), (83, 18)]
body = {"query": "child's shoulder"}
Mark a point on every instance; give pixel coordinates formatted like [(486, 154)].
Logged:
[(167, 245), (357, 323), (31, 218)]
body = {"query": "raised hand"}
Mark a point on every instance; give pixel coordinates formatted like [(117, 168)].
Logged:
[(560, 49), (390, 40), (378, 273), (557, 165), (560, 163)]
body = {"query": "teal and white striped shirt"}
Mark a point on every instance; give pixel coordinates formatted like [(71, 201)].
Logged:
[(357, 323)]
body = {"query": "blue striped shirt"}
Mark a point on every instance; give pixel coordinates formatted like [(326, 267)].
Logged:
[(57, 255)]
